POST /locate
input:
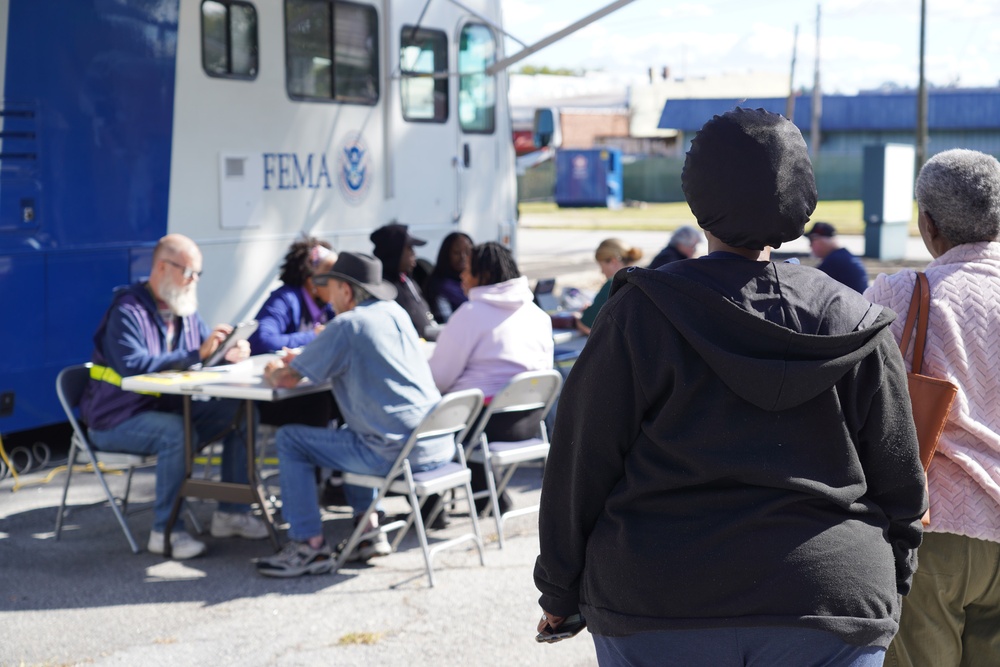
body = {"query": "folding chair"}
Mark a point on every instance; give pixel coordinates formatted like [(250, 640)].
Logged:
[(70, 384), (453, 415), (533, 390)]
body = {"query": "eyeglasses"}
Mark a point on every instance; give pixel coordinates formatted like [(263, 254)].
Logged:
[(186, 271), (320, 281)]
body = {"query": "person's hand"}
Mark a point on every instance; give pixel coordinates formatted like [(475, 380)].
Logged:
[(271, 368), (318, 329), (582, 328), (549, 622), (239, 352), (214, 340)]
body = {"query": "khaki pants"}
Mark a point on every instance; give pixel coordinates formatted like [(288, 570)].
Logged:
[(951, 617)]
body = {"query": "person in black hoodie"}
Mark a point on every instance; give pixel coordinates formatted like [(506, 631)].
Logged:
[(734, 475), (394, 247)]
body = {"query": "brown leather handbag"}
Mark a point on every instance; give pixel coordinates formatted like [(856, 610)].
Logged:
[(930, 397)]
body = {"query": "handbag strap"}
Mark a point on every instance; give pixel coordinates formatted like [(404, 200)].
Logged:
[(920, 306)]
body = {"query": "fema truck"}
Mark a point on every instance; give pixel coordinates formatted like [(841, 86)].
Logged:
[(243, 124)]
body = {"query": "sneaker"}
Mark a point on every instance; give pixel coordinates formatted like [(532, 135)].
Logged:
[(235, 524), (375, 546), (296, 559), (182, 545)]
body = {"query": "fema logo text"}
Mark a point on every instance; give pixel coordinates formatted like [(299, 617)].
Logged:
[(288, 171)]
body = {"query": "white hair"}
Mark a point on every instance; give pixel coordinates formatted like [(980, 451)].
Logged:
[(686, 235), (960, 190)]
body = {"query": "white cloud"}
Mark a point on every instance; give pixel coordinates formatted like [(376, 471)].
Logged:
[(676, 50), (687, 10), (864, 42), (847, 48), (521, 11), (771, 41), (960, 9)]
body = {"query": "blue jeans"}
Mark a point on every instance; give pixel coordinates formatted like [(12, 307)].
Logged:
[(301, 448), (162, 434), (725, 647)]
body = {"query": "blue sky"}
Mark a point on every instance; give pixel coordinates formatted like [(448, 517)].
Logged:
[(863, 43)]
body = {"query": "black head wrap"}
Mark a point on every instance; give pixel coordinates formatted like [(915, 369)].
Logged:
[(748, 179)]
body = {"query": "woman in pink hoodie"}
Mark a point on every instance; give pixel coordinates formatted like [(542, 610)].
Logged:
[(952, 615), (498, 333)]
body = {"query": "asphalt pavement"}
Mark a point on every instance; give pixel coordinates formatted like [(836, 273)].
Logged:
[(86, 599)]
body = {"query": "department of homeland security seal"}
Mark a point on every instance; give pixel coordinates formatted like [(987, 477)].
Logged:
[(353, 174)]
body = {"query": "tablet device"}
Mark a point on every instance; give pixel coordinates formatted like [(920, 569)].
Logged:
[(545, 297), (241, 331)]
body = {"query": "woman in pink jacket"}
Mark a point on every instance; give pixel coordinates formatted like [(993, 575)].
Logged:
[(952, 614), (498, 333)]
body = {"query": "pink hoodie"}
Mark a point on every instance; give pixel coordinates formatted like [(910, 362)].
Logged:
[(963, 346), (498, 333)]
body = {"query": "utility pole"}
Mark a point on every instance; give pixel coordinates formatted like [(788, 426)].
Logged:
[(790, 104), (922, 95), (817, 98)]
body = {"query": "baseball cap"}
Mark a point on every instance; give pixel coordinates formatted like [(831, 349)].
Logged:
[(822, 229)]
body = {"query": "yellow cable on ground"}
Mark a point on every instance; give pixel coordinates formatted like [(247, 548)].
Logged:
[(87, 467), (18, 484), (10, 466)]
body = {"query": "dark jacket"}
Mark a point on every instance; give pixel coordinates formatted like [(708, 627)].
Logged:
[(131, 340), (844, 267), (668, 255), (734, 447), (389, 249)]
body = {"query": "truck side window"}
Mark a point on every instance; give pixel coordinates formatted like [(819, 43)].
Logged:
[(229, 39), (331, 51), (477, 98), (422, 54)]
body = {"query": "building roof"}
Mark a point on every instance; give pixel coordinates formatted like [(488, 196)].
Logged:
[(952, 109)]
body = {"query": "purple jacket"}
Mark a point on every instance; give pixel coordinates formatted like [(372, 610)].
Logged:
[(281, 319), (132, 340), (444, 295)]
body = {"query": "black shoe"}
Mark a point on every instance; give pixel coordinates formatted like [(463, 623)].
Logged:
[(441, 521), (485, 507), (332, 492)]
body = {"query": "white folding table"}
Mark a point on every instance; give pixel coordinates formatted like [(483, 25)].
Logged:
[(242, 381)]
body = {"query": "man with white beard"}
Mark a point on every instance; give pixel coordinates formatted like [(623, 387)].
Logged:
[(154, 326)]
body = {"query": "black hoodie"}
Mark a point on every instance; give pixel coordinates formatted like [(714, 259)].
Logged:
[(390, 241), (734, 447)]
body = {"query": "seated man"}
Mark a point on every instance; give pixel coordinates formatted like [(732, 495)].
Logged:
[(153, 326), (383, 385)]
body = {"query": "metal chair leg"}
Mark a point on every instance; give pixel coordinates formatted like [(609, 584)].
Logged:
[(70, 462)]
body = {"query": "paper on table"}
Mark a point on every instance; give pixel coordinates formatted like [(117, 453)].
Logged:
[(184, 377)]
